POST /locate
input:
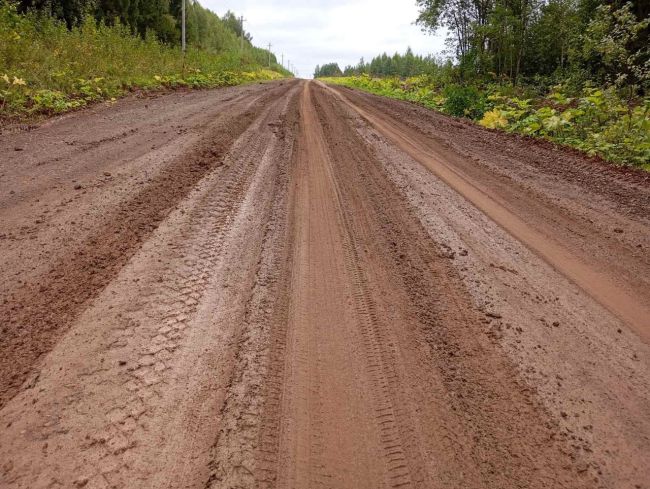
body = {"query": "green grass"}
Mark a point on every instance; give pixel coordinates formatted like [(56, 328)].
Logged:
[(46, 68), (597, 121)]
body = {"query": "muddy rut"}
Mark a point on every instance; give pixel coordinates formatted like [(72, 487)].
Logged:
[(290, 285)]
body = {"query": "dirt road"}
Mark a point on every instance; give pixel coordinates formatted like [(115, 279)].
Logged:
[(290, 285)]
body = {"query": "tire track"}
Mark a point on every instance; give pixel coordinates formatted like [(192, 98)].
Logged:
[(599, 279), (402, 457), (40, 312), (325, 359), (233, 454), (291, 448), (114, 407), (203, 254), (379, 350), (576, 349), (408, 273)]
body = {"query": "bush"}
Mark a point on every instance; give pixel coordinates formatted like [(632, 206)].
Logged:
[(596, 121), (464, 101)]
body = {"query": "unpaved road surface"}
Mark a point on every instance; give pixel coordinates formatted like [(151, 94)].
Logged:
[(290, 285)]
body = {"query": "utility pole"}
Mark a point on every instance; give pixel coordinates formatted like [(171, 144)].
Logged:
[(269, 55), (283, 60), (183, 25), (241, 44)]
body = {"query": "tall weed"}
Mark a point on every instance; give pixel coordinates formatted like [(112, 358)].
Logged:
[(44, 67)]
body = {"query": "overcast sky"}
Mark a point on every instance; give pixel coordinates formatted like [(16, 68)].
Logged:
[(312, 32)]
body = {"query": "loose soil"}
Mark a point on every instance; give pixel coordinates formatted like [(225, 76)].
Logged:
[(292, 285)]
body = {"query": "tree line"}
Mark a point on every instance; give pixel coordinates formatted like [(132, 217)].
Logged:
[(602, 40), (403, 65), (532, 41), (161, 18)]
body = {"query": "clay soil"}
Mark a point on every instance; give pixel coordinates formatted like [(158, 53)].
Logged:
[(294, 285)]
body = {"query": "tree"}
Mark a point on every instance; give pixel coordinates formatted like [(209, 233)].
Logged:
[(610, 49), (532, 38), (462, 17), (552, 36), (329, 69), (234, 24), (205, 29), (70, 11)]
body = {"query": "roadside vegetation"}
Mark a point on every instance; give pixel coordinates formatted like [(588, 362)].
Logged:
[(53, 60), (576, 72)]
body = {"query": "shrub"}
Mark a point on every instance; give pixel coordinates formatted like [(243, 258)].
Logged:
[(595, 120), (463, 101)]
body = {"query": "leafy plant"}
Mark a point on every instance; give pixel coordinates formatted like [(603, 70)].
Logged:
[(597, 121), (494, 119), (463, 101)]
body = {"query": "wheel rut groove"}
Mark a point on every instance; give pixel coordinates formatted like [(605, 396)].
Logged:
[(624, 297), (417, 270), (39, 312), (380, 352), (250, 388)]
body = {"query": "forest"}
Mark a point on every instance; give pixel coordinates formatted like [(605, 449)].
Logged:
[(573, 71), (160, 17), (403, 65), (528, 41), (57, 55)]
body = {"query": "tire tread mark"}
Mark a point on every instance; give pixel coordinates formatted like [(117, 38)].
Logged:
[(404, 466)]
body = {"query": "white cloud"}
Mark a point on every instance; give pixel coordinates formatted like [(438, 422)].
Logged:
[(318, 32)]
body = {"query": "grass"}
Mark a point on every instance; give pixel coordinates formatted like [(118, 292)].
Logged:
[(46, 68)]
